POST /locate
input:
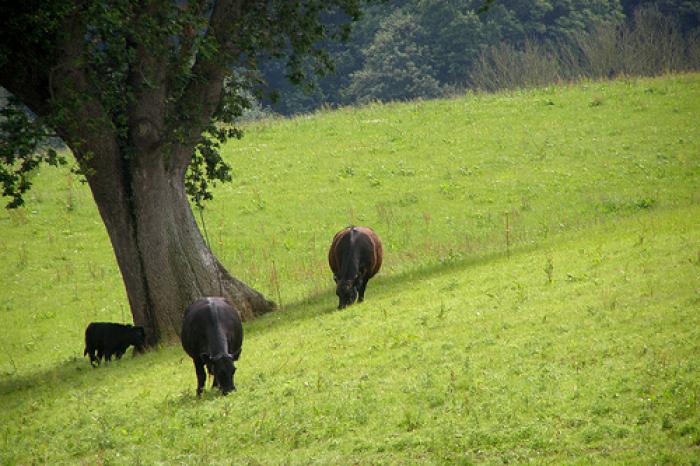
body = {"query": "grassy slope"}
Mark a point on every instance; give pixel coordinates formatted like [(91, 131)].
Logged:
[(460, 352)]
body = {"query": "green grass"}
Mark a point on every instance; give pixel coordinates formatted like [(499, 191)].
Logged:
[(577, 342)]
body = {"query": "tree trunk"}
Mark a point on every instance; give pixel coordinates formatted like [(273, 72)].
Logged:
[(163, 259), (129, 154)]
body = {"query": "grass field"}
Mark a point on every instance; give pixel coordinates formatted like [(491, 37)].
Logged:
[(540, 298)]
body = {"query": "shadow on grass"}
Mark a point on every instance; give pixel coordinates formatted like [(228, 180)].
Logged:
[(187, 397), (319, 304), (60, 376), (66, 374)]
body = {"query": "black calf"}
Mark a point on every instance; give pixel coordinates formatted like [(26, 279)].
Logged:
[(107, 339)]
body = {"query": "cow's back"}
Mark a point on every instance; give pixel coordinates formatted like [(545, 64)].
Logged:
[(211, 326), (363, 241), (101, 334)]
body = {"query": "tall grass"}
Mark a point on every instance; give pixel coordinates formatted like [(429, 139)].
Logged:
[(650, 44)]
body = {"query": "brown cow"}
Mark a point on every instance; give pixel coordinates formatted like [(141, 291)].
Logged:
[(355, 256)]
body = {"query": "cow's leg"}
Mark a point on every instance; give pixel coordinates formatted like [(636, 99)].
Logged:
[(120, 352), (210, 368), (94, 361), (201, 376), (361, 291), (100, 355)]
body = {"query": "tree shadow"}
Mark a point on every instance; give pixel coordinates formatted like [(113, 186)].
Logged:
[(65, 374), (187, 398), (322, 303), (58, 377)]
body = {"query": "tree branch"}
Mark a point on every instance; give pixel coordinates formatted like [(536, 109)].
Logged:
[(27, 81), (202, 95), (147, 79), (77, 114), (189, 16)]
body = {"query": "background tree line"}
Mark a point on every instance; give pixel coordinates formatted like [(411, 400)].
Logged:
[(426, 48)]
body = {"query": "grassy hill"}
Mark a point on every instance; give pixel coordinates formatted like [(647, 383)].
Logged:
[(540, 298)]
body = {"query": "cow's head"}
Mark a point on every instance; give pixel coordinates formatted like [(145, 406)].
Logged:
[(223, 372), (346, 291), (139, 338)]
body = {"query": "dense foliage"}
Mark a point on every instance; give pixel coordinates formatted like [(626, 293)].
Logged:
[(686, 11), (60, 60), (423, 48)]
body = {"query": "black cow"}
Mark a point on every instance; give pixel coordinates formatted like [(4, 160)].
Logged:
[(108, 339), (355, 256), (212, 334)]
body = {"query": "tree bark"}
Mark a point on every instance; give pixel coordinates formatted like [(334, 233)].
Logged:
[(162, 256)]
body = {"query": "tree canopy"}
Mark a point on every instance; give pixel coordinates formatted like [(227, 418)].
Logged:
[(56, 56), (144, 93)]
